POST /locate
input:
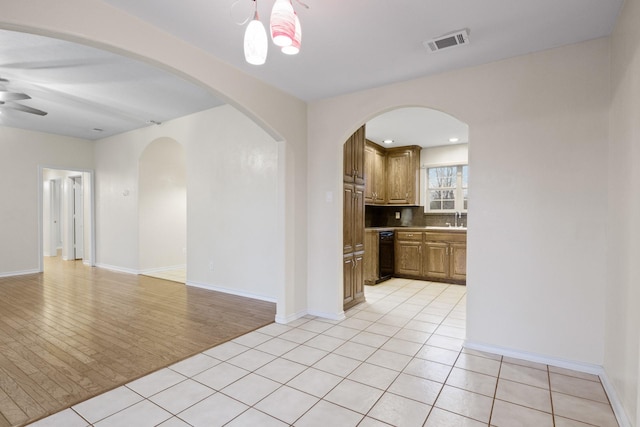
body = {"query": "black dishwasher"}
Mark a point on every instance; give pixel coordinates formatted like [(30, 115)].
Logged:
[(385, 256)]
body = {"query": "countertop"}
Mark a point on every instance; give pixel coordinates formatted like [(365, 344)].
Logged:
[(423, 228)]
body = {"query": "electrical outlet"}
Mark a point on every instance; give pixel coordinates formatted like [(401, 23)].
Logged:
[(397, 215), (210, 265)]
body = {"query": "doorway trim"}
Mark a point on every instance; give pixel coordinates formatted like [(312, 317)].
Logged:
[(92, 228)]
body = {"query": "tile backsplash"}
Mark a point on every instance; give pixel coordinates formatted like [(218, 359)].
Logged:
[(413, 216)]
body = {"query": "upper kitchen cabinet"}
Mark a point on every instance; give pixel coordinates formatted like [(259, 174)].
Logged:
[(354, 158), (403, 175), (375, 174)]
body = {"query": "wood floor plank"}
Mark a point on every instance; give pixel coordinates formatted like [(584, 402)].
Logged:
[(75, 332)]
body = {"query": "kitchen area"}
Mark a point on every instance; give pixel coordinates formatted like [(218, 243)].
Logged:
[(405, 206)]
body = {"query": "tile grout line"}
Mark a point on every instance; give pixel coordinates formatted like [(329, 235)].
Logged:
[(553, 415), (495, 392)]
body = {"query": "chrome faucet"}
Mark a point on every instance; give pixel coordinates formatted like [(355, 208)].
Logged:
[(456, 216)]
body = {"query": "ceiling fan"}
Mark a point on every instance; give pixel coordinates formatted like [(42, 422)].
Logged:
[(7, 100)]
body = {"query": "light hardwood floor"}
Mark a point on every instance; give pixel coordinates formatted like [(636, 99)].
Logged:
[(75, 332)]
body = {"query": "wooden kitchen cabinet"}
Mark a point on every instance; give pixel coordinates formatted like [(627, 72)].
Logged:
[(353, 218), (446, 256), (371, 257), (436, 260), (375, 171), (408, 253), (353, 156), (409, 259), (403, 175), (353, 272), (439, 256), (458, 261)]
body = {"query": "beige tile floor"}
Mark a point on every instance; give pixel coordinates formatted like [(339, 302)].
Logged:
[(175, 275), (396, 360)]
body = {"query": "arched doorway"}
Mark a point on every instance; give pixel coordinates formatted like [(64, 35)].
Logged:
[(162, 210), (412, 167)]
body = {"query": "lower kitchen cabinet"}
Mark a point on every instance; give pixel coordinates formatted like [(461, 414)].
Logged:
[(438, 256), (458, 261), (408, 258), (353, 271)]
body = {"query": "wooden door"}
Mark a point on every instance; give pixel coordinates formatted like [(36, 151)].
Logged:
[(348, 274), (358, 277), (408, 255), (458, 261), (371, 245), (348, 161), (358, 218), (369, 174), (398, 166), (380, 177), (437, 260), (348, 195)]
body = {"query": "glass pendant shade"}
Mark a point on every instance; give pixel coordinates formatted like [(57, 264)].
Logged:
[(283, 23), (255, 43), (294, 47)]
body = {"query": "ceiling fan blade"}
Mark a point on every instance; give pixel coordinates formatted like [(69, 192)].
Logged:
[(12, 96), (24, 109)]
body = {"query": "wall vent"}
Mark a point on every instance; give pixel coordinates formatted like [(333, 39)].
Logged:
[(457, 38)]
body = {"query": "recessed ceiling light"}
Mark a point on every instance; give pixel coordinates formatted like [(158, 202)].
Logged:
[(98, 130), (454, 139), (388, 141)]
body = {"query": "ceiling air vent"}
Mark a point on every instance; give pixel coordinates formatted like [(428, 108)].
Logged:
[(457, 38)]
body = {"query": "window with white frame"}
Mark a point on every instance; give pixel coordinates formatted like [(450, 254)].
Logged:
[(447, 188)]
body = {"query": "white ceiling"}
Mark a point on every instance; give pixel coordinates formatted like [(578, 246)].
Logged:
[(83, 88), (346, 46)]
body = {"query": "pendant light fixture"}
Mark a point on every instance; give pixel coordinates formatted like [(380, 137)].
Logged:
[(256, 44), (284, 26), (294, 47), (283, 23)]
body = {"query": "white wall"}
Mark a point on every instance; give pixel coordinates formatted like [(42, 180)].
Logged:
[(536, 242), (232, 201), (622, 292), (21, 152), (232, 205), (162, 214)]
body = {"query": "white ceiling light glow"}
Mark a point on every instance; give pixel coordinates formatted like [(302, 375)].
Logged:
[(454, 139), (294, 47), (255, 40)]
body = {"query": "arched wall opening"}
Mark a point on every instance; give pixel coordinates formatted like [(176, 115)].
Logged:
[(162, 207), (283, 117), (419, 139)]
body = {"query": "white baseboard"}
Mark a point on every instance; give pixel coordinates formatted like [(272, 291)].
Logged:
[(616, 404), (325, 315), (230, 291), (290, 318), (162, 269), (19, 273), (116, 268), (589, 368)]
